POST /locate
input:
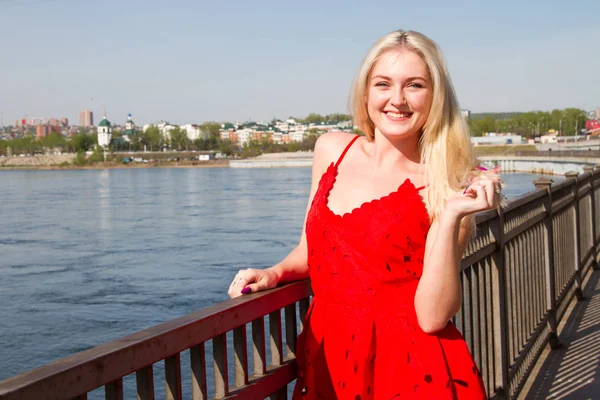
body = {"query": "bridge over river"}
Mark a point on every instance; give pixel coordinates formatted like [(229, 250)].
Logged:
[(530, 314)]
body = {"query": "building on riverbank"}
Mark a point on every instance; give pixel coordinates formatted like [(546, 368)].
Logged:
[(86, 118)]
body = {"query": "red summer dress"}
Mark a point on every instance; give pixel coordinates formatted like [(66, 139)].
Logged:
[(361, 339)]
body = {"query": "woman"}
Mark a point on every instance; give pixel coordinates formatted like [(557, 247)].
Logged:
[(389, 218)]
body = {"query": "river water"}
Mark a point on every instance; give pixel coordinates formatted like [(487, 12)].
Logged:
[(88, 256)]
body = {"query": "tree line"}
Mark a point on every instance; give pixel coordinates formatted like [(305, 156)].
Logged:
[(568, 122), (149, 140), (314, 118)]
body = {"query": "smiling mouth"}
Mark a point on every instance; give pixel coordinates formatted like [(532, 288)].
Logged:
[(398, 115)]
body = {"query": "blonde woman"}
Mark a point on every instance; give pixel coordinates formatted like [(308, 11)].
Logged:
[(387, 223)]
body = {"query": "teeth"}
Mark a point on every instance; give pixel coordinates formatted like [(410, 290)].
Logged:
[(398, 115)]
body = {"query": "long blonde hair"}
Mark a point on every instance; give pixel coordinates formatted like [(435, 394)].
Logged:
[(445, 144)]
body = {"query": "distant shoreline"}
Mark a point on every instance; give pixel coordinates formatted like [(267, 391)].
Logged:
[(117, 165)]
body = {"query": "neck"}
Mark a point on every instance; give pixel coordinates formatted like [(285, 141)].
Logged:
[(402, 153)]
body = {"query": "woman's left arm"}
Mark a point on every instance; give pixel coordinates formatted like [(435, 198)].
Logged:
[(439, 294)]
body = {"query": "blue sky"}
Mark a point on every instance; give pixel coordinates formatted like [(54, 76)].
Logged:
[(188, 61)]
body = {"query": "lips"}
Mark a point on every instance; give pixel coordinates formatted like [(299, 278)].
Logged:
[(398, 115)]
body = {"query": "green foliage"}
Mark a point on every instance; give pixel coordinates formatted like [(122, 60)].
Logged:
[(229, 148), (211, 143), (255, 148), (500, 115), (293, 147), (135, 140), (251, 149), (97, 156), (211, 128), (80, 158), (152, 138), (314, 118), (4, 147), (179, 139), (83, 141), (534, 123), (24, 145), (54, 140)]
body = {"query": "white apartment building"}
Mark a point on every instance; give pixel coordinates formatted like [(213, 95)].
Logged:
[(163, 127), (277, 137), (194, 132), (243, 136), (297, 136)]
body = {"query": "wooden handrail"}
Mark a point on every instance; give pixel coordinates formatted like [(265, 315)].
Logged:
[(101, 365)]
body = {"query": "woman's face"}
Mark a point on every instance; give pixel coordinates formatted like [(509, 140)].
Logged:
[(399, 94)]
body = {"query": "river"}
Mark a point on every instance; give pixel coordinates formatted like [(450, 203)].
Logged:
[(88, 256)]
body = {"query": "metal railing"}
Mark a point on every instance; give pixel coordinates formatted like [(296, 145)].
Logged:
[(583, 153), (520, 271)]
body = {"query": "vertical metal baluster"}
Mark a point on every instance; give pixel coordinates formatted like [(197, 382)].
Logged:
[(173, 377), (519, 287), (241, 356), (198, 366), (220, 362), (549, 260), (276, 338), (291, 331), (468, 305), (514, 305), (483, 317), (499, 279), (258, 347), (475, 304), (145, 383), (114, 390), (281, 394), (303, 307)]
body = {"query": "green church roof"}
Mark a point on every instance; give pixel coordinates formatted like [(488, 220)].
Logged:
[(104, 122)]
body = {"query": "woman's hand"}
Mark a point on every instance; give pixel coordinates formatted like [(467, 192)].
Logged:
[(484, 193), (252, 280)]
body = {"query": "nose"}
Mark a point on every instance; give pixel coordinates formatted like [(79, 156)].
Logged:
[(398, 98)]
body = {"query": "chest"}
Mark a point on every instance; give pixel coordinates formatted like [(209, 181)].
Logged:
[(347, 194), (383, 239)]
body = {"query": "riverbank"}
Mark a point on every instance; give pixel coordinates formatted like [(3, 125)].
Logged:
[(65, 162)]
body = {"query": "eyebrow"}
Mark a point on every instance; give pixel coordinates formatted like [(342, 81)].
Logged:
[(408, 79)]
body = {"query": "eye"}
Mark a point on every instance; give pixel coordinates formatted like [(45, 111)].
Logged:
[(382, 84), (415, 85)]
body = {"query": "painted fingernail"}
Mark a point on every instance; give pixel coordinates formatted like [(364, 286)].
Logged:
[(482, 168), (246, 290)]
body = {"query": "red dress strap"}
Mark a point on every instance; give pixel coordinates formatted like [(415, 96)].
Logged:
[(346, 150)]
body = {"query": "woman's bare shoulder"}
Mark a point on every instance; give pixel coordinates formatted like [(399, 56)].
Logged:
[(330, 145)]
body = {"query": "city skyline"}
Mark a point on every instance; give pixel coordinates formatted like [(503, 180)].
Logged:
[(193, 62)]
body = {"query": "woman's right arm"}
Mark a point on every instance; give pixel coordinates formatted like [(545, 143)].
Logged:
[(294, 266)]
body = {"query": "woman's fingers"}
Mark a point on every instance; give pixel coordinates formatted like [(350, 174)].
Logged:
[(241, 281), (484, 194), (490, 192), (255, 287), (482, 198), (252, 280), (492, 184)]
